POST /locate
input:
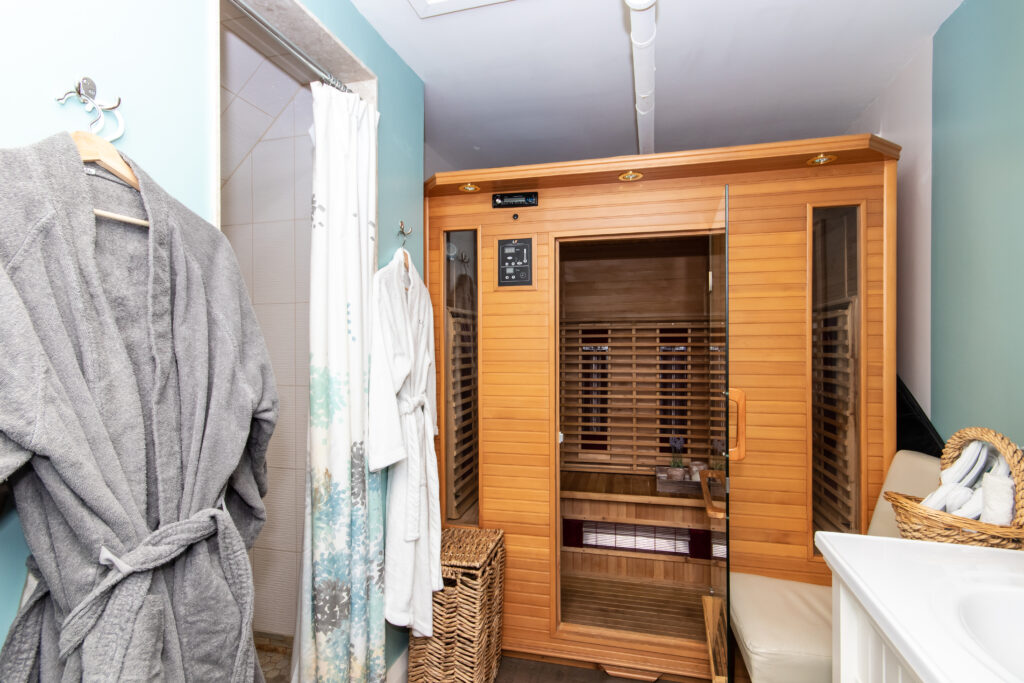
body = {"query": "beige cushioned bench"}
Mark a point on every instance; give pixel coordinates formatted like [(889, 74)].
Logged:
[(784, 628)]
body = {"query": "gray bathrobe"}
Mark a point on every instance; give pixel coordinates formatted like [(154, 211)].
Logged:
[(136, 403)]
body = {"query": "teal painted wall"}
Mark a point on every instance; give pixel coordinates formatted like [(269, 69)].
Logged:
[(159, 58), (977, 234), (400, 148), (12, 568), (400, 153)]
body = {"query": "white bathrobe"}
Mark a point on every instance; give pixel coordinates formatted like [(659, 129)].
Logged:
[(403, 422)]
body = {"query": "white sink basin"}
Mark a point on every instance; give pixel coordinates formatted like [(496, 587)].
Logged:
[(992, 618)]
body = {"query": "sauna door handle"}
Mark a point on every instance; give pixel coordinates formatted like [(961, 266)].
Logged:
[(739, 451)]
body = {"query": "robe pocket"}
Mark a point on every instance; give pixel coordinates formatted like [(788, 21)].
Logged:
[(143, 660)]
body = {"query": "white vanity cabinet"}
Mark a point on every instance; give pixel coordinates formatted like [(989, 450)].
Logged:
[(919, 611)]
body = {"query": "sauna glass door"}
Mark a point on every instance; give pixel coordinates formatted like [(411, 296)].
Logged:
[(643, 442), (716, 603)]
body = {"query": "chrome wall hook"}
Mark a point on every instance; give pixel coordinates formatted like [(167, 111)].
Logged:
[(85, 91), (403, 232)]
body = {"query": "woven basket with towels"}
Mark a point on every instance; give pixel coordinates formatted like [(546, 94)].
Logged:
[(918, 522)]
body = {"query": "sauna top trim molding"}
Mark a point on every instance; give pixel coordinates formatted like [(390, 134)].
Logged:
[(850, 149)]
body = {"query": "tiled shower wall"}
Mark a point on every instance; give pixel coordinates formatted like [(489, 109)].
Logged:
[(266, 192)]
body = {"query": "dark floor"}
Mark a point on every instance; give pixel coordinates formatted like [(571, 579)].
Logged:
[(526, 671), (275, 654)]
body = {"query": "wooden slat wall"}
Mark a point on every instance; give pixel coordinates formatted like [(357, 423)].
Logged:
[(626, 388), (602, 282), (769, 347), (461, 407), (835, 496)]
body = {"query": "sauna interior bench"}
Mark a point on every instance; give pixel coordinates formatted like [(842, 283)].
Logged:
[(628, 488)]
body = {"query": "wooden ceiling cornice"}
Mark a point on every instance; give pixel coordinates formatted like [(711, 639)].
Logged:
[(850, 149)]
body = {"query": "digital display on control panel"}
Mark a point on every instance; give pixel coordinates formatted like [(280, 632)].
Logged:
[(515, 262)]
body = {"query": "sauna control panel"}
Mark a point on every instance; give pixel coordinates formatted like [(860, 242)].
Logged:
[(515, 262), (512, 200)]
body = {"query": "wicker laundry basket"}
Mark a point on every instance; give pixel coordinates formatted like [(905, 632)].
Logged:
[(918, 522), (466, 645)]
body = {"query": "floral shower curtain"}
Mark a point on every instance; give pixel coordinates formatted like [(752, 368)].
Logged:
[(340, 629)]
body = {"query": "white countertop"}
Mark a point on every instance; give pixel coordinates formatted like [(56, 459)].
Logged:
[(954, 613)]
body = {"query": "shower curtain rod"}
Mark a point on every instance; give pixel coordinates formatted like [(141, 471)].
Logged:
[(321, 72)]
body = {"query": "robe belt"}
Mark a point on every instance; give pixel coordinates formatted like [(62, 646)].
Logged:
[(415, 472), (408, 406), (123, 591)]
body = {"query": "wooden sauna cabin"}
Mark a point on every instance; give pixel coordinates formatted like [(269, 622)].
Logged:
[(605, 325)]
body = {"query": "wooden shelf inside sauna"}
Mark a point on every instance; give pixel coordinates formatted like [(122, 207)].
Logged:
[(632, 488)]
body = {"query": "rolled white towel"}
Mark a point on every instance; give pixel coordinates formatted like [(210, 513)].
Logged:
[(972, 509), (998, 505), (958, 497), (986, 458), (966, 471), (1001, 468), (959, 470)]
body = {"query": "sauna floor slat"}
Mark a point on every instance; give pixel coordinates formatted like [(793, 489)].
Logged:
[(638, 606)]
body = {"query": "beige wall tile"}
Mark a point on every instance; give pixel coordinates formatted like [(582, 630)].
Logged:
[(270, 88), (278, 324), (274, 575), (273, 246), (300, 499), (303, 236), (302, 344), (301, 426), (238, 62), (302, 105), (241, 127), (279, 531), (281, 451), (282, 126), (226, 96), (266, 199), (303, 178), (236, 196), (273, 180), (240, 237)]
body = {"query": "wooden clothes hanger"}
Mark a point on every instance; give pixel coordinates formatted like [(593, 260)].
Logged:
[(92, 148)]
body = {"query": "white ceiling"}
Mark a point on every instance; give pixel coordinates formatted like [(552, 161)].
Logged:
[(534, 81)]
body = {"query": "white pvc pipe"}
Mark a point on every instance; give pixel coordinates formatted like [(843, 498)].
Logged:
[(642, 33)]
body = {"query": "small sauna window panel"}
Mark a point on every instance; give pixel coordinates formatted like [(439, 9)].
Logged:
[(461, 390), (835, 366)]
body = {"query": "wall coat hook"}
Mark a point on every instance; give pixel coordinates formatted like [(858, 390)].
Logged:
[(85, 91), (403, 232)]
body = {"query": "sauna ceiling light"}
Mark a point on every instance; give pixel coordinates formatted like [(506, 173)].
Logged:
[(469, 187), (821, 159), (630, 176)]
